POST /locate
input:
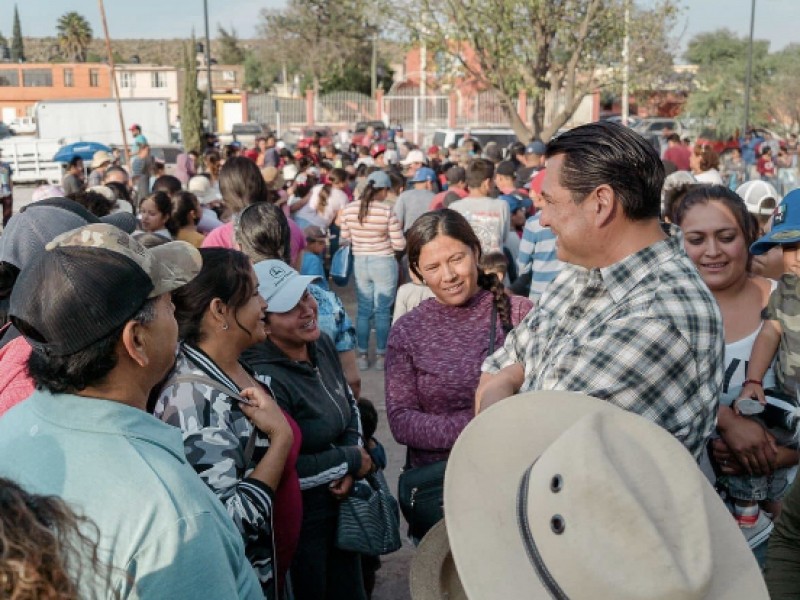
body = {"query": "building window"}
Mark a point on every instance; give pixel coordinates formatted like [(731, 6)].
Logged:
[(94, 78), (158, 79), (127, 80), (9, 78), (229, 76), (68, 78), (37, 77)]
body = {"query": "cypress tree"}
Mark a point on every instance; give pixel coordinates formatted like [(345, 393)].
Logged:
[(17, 49), (192, 104)]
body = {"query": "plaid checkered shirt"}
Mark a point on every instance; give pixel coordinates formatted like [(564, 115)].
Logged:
[(644, 333)]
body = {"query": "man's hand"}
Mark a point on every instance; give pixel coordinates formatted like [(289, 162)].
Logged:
[(494, 387)]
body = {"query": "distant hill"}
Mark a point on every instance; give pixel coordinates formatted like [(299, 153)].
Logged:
[(158, 52)]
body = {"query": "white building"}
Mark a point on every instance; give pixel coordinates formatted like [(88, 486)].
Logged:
[(149, 81)]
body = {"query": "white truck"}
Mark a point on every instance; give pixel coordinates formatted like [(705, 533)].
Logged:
[(70, 121)]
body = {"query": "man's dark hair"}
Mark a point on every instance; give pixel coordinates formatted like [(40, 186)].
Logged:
[(167, 183), (478, 171), (73, 162), (605, 153), (674, 137), (87, 367), (456, 174), (115, 169)]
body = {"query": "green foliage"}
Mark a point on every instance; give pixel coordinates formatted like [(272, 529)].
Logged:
[(17, 47), (568, 47), (721, 57), (74, 36), (257, 75), (327, 43), (230, 53), (191, 110), (782, 96)]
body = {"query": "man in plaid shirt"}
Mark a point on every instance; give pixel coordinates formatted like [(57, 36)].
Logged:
[(628, 319)]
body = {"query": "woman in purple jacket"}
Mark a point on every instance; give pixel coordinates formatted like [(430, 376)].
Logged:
[(434, 353)]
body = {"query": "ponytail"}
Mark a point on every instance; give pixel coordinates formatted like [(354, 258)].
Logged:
[(366, 198), (491, 283), (322, 198)]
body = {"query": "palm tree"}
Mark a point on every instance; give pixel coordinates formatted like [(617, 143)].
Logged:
[(74, 36)]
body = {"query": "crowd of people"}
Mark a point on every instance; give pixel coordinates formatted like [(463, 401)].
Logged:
[(180, 384)]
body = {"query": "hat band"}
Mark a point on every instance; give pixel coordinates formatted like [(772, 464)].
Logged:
[(534, 556)]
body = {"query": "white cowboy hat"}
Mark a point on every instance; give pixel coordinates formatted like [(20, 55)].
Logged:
[(559, 495)]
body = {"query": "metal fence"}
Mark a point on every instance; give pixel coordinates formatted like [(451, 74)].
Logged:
[(482, 109), (418, 114), (344, 107), (276, 111)]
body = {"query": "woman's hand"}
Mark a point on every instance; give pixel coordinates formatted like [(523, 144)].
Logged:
[(341, 487), (265, 414), (366, 464), (755, 391), (749, 444)]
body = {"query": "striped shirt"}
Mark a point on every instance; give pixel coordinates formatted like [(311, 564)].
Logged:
[(379, 235), (644, 334), (537, 252)]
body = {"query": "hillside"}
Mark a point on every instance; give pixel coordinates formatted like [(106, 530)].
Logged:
[(159, 52)]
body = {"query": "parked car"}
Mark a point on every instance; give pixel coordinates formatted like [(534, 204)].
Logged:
[(359, 134), (502, 137), (656, 125), (309, 133), (244, 133), (168, 154)]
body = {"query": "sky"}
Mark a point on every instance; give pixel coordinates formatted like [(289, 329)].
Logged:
[(776, 20)]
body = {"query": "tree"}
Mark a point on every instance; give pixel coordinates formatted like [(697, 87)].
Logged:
[(782, 94), (191, 110), (74, 36), (565, 47), (721, 58), (230, 52), (320, 39), (17, 48)]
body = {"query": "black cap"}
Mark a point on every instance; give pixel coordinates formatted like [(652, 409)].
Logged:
[(506, 168)]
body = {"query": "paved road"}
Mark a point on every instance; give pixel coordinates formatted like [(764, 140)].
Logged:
[(392, 578)]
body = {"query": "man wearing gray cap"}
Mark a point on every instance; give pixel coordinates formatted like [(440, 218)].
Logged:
[(96, 308)]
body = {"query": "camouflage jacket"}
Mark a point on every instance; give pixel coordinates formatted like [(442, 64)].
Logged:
[(215, 438)]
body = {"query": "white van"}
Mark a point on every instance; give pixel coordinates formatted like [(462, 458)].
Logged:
[(502, 137)]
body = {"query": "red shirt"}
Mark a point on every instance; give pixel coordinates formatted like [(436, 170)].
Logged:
[(765, 166), (679, 156)]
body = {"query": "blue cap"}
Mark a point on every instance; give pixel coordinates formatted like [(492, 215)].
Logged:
[(423, 174), (785, 225), (515, 202), (536, 147), (379, 180)]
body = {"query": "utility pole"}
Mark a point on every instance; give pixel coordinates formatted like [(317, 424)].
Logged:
[(626, 64), (211, 127), (374, 65), (125, 151), (749, 70)]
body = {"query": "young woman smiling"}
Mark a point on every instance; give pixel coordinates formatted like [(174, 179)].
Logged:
[(434, 354)]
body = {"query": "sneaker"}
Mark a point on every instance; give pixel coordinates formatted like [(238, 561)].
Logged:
[(379, 362), (758, 532), (363, 362)]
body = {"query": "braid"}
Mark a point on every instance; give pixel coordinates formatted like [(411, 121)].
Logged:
[(491, 283)]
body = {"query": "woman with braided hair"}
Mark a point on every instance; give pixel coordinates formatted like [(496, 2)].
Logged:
[(434, 354)]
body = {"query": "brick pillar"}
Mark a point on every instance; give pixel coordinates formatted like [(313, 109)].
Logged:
[(379, 104), (245, 110), (309, 107), (522, 106), (596, 105), (452, 110)]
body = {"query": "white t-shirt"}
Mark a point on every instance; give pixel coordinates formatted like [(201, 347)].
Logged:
[(337, 200), (490, 220), (711, 177)]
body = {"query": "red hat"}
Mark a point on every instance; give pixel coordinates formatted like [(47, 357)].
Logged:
[(377, 149), (433, 151), (135, 126)]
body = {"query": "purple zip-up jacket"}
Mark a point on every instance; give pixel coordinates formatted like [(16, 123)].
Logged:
[(433, 364)]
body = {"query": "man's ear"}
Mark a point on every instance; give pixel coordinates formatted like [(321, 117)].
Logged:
[(606, 205), (133, 341)]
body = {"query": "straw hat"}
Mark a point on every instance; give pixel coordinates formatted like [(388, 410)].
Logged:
[(586, 500), (433, 574)]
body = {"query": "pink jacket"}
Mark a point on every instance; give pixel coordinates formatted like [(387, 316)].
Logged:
[(15, 383)]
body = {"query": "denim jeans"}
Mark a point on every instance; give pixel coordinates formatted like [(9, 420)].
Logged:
[(376, 286)]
